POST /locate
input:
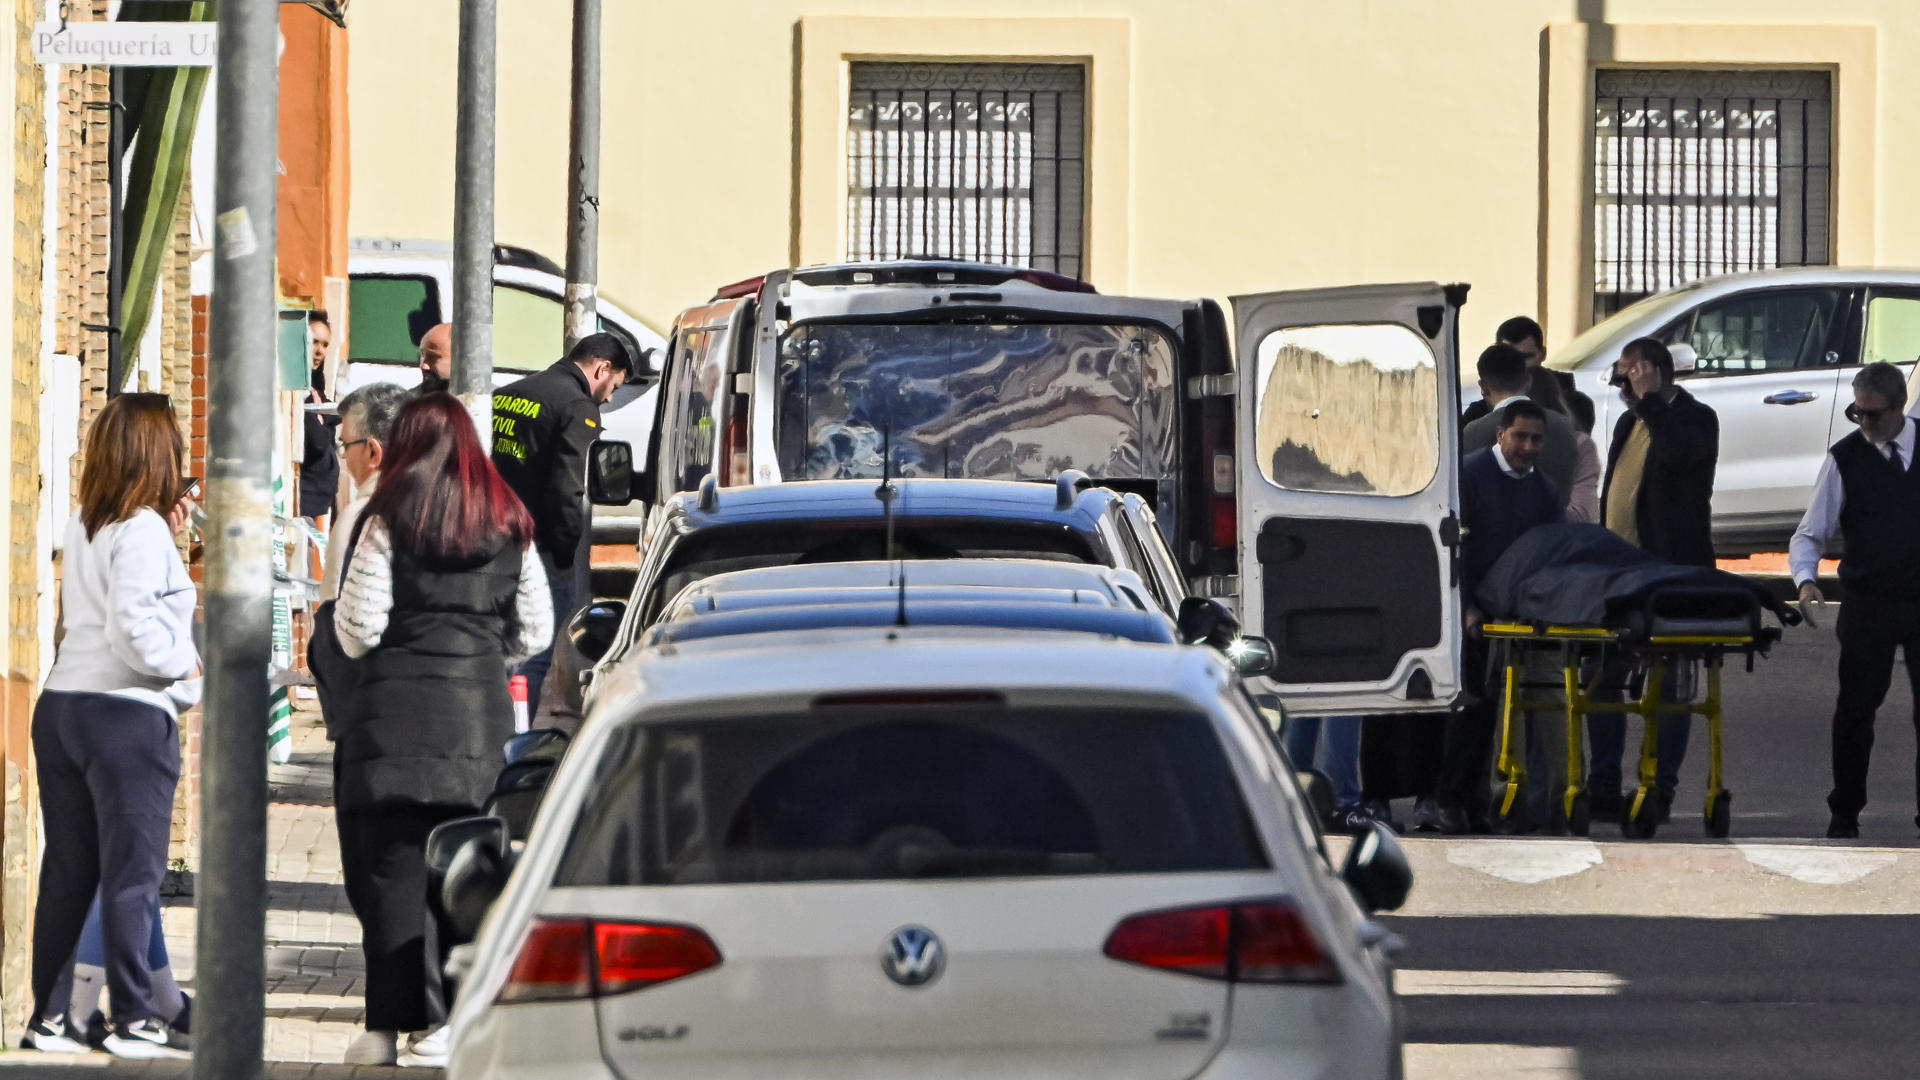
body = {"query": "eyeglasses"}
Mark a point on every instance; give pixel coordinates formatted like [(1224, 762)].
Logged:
[(345, 446), (1858, 415)]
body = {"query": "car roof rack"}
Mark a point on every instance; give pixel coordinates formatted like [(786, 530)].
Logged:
[(709, 493)]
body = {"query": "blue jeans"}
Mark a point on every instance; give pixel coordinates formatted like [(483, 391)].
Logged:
[(1607, 736), (560, 584), (1341, 762)]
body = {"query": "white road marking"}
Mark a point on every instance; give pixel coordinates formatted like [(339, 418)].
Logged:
[(1525, 862), (1507, 983), (1817, 866), (1491, 1061)]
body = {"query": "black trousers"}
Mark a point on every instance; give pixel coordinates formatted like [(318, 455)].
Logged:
[(1870, 628), (383, 855), (1466, 762), (107, 768)]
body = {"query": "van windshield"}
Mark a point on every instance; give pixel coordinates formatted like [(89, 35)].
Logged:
[(983, 400)]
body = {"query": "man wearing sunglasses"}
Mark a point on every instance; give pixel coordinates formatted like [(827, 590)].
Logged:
[(1869, 491)]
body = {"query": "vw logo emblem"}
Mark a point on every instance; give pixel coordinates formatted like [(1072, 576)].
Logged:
[(912, 956)]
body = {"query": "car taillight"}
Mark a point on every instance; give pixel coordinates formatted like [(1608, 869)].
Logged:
[(735, 465), (634, 956), (568, 959), (1264, 942)]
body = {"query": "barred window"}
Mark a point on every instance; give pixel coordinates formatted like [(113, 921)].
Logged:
[(982, 161), (1703, 172)]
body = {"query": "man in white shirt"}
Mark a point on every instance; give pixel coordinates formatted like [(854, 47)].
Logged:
[(1869, 492)]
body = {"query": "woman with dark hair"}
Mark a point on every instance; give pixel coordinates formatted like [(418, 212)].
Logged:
[(443, 591), (105, 734)]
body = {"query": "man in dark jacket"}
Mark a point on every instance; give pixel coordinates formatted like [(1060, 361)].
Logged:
[(1502, 495), (542, 428), (1524, 336), (1658, 496), (1505, 377)]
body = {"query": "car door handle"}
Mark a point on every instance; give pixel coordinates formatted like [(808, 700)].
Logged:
[(1789, 397)]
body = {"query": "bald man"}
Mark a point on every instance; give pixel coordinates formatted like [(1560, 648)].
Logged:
[(436, 359)]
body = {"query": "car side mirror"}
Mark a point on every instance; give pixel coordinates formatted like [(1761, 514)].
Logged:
[(1205, 621), (1252, 656), (610, 475), (593, 628), (1684, 358), (1377, 869), (478, 858)]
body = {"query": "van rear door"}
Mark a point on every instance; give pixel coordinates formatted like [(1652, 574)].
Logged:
[(1348, 442)]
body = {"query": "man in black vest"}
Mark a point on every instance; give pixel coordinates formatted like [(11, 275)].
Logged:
[(1869, 490), (543, 426)]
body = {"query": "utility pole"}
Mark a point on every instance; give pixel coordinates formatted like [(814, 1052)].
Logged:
[(583, 220), (473, 215), (242, 380), (583, 179)]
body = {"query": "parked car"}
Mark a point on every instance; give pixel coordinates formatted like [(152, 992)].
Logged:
[(916, 850), (1284, 471), (1773, 352), (400, 289)]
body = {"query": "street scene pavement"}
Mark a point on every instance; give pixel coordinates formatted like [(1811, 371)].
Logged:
[(1767, 955)]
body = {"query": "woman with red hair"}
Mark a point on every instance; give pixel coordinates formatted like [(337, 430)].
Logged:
[(443, 590)]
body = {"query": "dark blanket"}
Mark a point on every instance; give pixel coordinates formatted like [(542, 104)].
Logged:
[(1584, 575)]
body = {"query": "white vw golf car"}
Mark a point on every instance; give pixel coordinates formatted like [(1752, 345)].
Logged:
[(920, 852)]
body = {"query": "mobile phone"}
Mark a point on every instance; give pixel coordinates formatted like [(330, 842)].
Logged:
[(189, 487)]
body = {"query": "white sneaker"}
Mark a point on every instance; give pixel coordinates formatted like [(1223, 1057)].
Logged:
[(49, 1035), (428, 1049), (374, 1048), (148, 1040)]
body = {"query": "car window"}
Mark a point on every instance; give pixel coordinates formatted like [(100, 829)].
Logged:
[(389, 317), (1347, 409), (1137, 560), (855, 791), (1770, 330), (1147, 531), (789, 543), (1893, 329), (529, 329), (689, 432)]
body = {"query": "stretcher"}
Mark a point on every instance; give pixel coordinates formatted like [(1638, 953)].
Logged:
[(1698, 627)]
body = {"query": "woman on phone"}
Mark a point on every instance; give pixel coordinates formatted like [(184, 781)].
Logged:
[(444, 589), (105, 730)]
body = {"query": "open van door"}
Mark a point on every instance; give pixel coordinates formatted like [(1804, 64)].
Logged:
[(1348, 440)]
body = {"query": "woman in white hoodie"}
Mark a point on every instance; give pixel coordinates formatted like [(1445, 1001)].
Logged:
[(105, 730)]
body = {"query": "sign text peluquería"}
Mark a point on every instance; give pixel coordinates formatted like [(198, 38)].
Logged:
[(126, 44)]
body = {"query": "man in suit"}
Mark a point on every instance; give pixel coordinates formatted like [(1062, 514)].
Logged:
[(1502, 495), (1505, 377), (1658, 495), (1525, 337), (1869, 492)]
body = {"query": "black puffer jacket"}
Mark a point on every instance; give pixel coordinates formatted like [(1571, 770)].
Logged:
[(1675, 506), (431, 712)]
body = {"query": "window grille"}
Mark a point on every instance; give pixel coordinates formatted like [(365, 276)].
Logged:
[(1703, 172), (981, 161)]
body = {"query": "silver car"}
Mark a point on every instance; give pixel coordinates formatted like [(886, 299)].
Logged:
[(915, 852)]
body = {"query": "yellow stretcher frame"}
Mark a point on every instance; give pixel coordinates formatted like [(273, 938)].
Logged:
[(1578, 644)]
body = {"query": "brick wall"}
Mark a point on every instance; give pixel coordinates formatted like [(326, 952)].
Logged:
[(185, 843), (18, 825)]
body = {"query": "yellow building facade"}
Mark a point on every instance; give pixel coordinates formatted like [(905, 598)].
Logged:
[(1223, 147)]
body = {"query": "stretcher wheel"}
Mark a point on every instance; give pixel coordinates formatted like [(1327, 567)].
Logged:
[(1580, 818), (1639, 822), (1720, 818)]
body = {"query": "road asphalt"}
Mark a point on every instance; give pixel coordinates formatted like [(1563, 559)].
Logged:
[(1775, 953)]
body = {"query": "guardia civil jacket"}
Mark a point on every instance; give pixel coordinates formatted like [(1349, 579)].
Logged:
[(542, 428)]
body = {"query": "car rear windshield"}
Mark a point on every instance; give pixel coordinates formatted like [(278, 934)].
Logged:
[(985, 400), (862, 792), (788, 543)]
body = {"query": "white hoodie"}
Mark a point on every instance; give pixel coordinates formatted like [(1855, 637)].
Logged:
[(127, 604)]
